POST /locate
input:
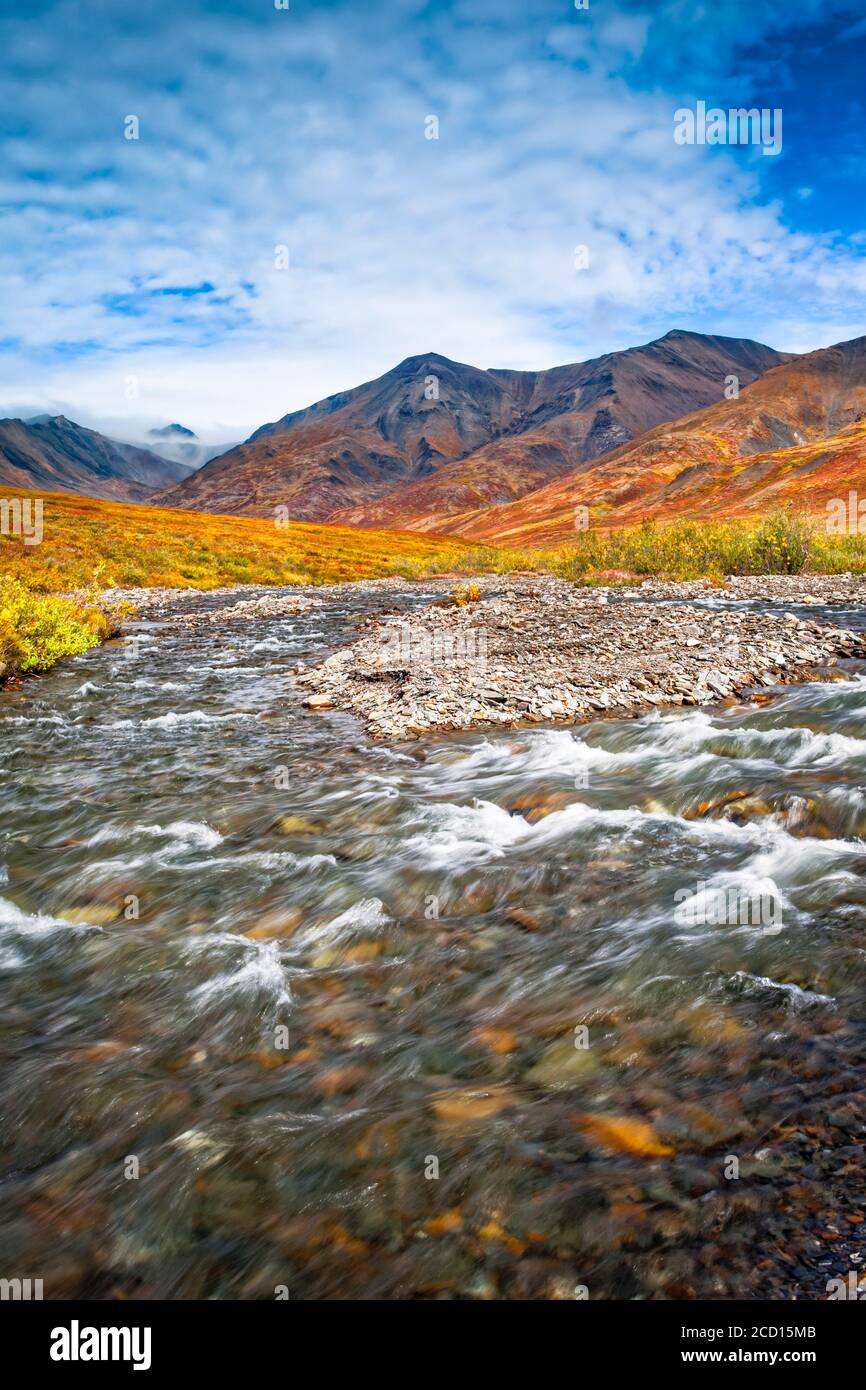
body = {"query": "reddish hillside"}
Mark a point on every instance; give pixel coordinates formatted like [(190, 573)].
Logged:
[(433, 437), (572, 415), (798, 434), (356, 445)]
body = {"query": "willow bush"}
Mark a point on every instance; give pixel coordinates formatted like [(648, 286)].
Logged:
[(36, 630)]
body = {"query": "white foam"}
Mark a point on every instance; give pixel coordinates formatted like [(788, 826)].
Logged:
[(271, 644), (261, 972), (34, 719), (174, 720), (552, 750), (566, 753), (466, 834), (366, 917), (264, 859), (797, 997), (484, 831), (144, 683), (16, 919), (802, 746), (197, 834), (792, 860)]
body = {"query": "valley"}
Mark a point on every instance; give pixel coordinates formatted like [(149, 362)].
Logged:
[(688, 426)]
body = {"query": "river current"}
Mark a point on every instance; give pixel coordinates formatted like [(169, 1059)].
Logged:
[(287, 1013)]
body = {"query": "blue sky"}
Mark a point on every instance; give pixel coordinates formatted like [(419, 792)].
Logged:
[(149, 265)]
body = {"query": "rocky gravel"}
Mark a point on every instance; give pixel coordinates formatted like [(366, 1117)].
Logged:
[(277, 604), (533, 648), (810, 589), (189, 605)]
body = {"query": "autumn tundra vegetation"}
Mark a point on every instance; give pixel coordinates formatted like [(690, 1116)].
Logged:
[(36, 630), (91, 546)]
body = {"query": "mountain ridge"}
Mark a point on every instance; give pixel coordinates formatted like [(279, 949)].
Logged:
[(410, 433), (56, 454), (796, 434)]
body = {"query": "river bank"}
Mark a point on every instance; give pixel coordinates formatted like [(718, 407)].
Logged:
[(38, 630)]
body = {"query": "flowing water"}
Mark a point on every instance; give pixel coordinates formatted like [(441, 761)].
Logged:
[(289, 1013)]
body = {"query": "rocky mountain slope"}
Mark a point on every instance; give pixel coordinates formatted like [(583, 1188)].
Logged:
[(54, 454), (798, 434), (432, 437)]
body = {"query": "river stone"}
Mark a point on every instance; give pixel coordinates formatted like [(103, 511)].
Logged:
[(278, 922), (563, 1065)]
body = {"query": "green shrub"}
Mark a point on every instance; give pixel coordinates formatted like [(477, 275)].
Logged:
[(36, 630)]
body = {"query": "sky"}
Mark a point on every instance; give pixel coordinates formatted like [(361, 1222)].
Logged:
[(144, 281)]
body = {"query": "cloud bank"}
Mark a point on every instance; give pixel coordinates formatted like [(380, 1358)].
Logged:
[(140, 276)]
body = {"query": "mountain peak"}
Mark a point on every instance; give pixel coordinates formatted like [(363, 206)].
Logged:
[(415, 446), (679, 335), (51, 420), (171, 432), (422, 359)]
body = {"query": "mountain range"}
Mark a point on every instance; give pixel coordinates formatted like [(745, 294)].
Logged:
[(434, 438), (796, 435), (687, 425)]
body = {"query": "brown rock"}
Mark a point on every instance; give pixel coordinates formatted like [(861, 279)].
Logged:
[(278, 922), (464, 1108), (522, 918)]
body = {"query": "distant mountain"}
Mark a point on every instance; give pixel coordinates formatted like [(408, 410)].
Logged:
[(172, 432), (357, 444), (798, 434), (54, 454), (433, 437), (184, 446)]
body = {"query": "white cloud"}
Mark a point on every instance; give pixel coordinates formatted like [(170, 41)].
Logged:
[(307, 127)]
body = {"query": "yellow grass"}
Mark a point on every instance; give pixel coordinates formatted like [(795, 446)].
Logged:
[(119, 544), (782, 542), (90, 545)]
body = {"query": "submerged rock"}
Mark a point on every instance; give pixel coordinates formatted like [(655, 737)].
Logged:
[(276, 923), (738, 806), (563, 1065)]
